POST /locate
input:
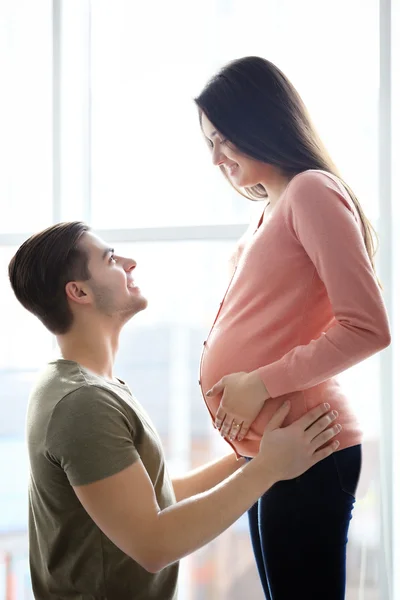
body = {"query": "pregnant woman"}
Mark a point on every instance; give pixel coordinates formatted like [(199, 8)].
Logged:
[(303, 305)]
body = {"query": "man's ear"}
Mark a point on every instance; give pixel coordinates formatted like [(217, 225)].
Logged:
[(78, 292)]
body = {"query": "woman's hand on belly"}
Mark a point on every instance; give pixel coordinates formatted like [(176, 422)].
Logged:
[(243, 396)]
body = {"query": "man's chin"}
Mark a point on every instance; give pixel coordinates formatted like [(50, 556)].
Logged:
[(142, 307), (143, 303), (138, 306)]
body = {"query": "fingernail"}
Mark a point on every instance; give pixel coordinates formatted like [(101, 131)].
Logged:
[(240, 438), (335, 413), (327, 406), (208, 393), (336, 444), (285, 404)]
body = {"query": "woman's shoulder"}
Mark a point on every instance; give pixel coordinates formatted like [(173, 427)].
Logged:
[(315, 179), (312, 189)]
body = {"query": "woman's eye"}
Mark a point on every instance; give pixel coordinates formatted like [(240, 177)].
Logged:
[(221, 142), (112, 258)]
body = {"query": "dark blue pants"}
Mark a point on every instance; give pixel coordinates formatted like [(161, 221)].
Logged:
[(299, 530)]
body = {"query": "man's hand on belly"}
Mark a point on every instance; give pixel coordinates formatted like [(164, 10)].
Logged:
[(243, 396)]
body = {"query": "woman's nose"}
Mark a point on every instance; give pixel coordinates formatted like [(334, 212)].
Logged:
[(217, 158)]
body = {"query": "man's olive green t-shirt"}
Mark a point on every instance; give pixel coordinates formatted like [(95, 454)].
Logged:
[(82, 428)]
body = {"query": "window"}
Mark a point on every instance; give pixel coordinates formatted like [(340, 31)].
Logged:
[(99, 123), (25, 115)]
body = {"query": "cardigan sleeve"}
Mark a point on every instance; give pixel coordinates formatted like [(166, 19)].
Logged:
[(321, 216)]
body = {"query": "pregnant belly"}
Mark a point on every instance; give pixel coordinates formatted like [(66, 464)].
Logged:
[(213, 369)]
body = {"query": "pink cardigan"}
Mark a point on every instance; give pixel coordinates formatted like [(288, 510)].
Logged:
[(303, 306)]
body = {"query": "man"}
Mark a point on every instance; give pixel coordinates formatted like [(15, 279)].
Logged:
[(106, 521)]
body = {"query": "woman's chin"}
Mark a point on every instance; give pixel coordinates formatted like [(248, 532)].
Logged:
[(242, 182)]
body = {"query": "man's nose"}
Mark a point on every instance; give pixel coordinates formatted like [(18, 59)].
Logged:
[(130, 264)]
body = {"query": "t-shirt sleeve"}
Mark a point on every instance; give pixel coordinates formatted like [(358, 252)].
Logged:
[(90, 436), (321, 217)]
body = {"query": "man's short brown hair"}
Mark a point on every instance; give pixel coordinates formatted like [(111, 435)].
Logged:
[(41, 268)]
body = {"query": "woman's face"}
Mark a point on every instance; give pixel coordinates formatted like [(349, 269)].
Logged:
[(240, 169)]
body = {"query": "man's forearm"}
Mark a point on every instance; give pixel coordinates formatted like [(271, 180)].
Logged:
[(205, 477), (190, 524)]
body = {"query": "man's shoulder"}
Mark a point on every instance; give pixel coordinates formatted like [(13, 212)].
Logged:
[(67, 397), (66, 392), (66, 382), (58, 379)]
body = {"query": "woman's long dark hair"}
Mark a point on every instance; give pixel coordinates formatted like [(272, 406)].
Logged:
[(256, 108)]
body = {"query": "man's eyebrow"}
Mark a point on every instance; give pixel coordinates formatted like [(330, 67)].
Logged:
[(107, 251)]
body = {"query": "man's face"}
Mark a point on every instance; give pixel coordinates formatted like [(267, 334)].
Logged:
[(111, 289)]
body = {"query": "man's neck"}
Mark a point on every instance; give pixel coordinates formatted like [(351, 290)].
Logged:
[(92, 346)]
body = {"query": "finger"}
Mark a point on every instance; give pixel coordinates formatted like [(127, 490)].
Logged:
[(226, 427), (279, 416), (309, 418), (324, 437), (219, 418), (218, 388), (235, 431), (320, 425), (325, 452), (244, 431)]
